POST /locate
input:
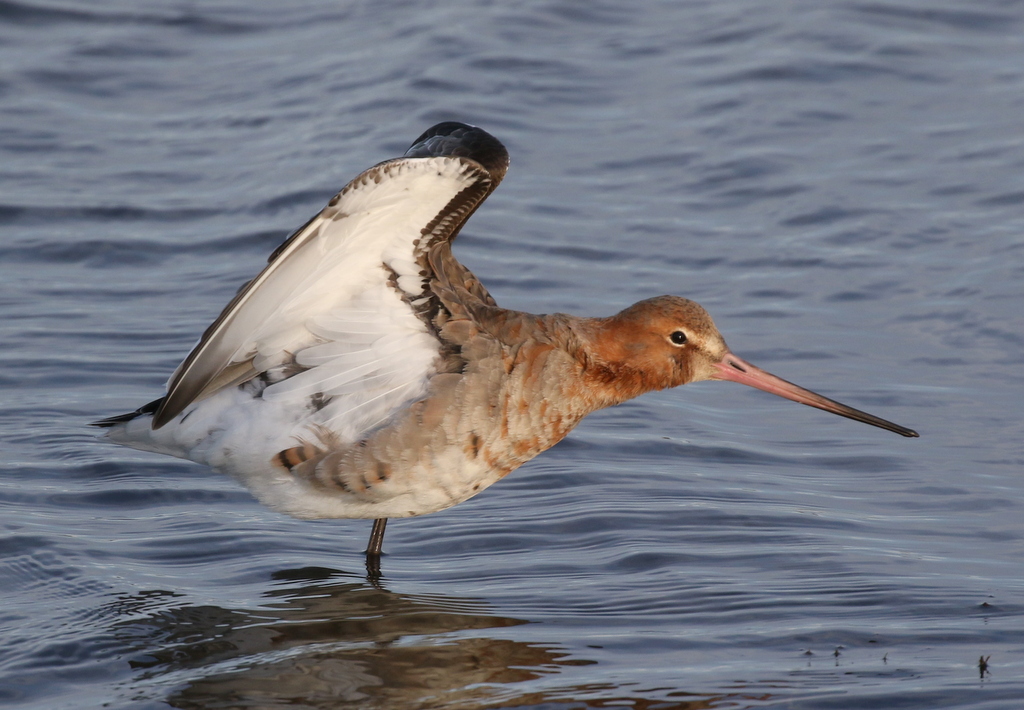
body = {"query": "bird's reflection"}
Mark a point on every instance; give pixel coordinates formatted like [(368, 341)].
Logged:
[(327, 639)]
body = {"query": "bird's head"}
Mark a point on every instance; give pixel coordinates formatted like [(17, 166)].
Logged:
[(669, 341)]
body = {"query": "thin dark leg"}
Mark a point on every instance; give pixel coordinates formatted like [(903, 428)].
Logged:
[(376, 537), (373, 548)]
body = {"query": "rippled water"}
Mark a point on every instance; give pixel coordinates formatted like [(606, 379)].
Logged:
[(840, 183)]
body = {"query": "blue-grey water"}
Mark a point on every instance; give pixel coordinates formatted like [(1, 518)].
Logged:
[(840, 182)]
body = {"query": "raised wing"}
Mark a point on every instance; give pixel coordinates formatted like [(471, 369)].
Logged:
[(341, 290)]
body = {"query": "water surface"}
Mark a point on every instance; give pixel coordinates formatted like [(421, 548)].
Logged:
[(840, 183)]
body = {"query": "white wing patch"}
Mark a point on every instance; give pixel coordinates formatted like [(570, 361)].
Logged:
[(326, 300), (373, 355)]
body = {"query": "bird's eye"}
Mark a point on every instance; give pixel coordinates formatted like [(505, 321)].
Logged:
[(678, 337)]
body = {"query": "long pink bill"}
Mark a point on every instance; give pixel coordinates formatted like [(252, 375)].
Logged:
[(733, 369)]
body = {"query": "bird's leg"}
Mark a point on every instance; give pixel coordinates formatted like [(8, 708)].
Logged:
[(373, 548)]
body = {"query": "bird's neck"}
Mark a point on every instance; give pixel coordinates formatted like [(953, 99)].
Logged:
[(614, 365)]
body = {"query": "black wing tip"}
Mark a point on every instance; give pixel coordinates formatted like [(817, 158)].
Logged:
[(463, 141), (148, 408)]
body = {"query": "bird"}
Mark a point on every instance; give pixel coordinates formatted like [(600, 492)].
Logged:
[(366, 373)]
